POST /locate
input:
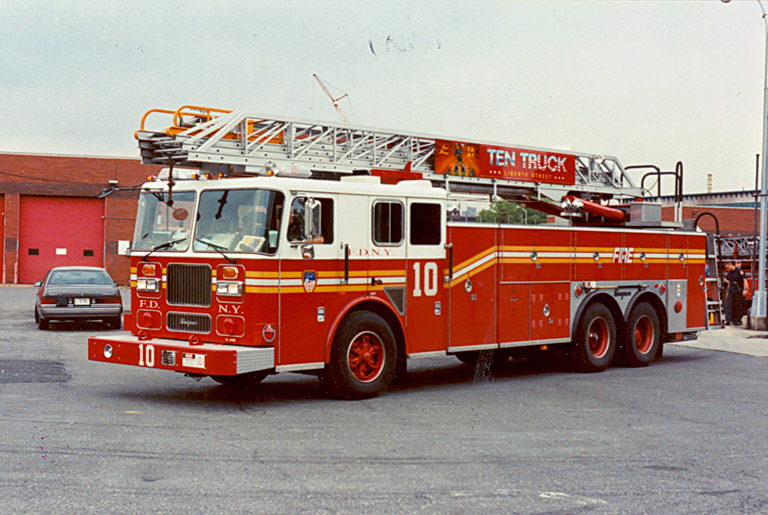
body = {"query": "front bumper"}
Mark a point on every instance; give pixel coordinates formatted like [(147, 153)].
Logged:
[(53, 312), (180, 356)]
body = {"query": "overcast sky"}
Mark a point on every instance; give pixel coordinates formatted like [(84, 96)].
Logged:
[(647, 82)]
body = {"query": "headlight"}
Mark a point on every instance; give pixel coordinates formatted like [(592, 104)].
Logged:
[(229, 289), (145, 284)]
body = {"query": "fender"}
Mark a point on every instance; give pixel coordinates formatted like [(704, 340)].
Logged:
[(345, 310), (636, 297), (613, 306)]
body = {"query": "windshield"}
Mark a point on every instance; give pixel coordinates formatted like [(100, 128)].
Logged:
[(157, 224), (79, 277), (238, 221)]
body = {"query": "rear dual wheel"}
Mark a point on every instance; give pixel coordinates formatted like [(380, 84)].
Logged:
[(641, 341), (595, 343)]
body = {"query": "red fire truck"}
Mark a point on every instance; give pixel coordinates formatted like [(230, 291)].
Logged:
[(274, 245)]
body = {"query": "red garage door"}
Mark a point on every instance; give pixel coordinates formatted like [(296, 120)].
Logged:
[(59, 231), (2, 236)]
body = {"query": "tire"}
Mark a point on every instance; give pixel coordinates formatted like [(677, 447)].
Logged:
[(363, 357), (640, 343), (243, 381), (595, 343), (42, 323)]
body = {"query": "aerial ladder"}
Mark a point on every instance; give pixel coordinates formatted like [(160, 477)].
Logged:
[(231, 143)]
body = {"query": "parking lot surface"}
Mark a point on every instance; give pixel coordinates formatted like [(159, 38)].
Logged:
[(686, 435)]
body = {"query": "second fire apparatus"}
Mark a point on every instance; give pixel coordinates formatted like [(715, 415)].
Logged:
[(279, 245)]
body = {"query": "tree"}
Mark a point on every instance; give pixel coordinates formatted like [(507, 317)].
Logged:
[(502, 211)]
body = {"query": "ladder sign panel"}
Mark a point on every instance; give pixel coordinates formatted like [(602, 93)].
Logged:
[(496, 162)]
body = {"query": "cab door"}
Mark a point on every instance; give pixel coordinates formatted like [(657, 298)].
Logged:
[(426, 304), (310, 279)]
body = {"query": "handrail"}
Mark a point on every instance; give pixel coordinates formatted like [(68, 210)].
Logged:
[(202, 113)]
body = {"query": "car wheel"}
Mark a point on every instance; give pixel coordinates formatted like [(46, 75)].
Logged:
[(113, 323), (42, 323)]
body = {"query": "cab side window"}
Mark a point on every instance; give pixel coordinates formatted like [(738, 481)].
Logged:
[(296, 221), (387, 223), (425, 224)]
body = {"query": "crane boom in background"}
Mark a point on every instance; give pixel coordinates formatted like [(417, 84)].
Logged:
[(335, 101)]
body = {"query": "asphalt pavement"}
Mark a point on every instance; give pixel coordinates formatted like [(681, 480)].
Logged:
[(684, 435)]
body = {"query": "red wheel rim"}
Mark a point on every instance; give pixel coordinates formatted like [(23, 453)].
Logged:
[(643, 335), (366, 357), (598, 338)]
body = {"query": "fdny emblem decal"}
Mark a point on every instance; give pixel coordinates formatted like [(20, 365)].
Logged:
[(310, 280)]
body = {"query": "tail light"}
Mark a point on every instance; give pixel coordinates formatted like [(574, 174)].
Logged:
[(48, 300), (109, 300)]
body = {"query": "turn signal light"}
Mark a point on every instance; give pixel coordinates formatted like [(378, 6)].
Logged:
[(229, 272), (148, 269)]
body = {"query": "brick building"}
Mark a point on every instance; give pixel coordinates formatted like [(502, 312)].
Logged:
[(734, 210), (50, 213)]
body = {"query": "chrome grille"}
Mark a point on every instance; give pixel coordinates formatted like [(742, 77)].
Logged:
[(189, 322), (188, 285)]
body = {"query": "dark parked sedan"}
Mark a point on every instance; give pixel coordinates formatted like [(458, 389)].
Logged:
[(78, 293)]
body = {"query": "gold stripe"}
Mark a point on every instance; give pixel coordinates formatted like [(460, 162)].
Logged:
[(476, 271), (475, 258)]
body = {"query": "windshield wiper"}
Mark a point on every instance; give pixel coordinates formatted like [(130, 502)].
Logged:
[(162, 246), (217, 248)]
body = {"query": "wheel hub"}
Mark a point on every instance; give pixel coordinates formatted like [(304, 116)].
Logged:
[(366, 357)]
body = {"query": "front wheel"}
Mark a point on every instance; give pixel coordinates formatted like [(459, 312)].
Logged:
[(640, 344), (363, 357), (595, 339)]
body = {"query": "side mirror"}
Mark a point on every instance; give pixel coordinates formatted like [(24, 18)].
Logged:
[(312, 219), (272, 236), (38, 284)]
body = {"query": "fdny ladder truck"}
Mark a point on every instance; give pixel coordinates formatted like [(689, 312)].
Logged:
[(272, 244)]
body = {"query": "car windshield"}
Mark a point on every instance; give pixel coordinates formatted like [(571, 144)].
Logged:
[(238, 221), (161, 225), (77, 277)]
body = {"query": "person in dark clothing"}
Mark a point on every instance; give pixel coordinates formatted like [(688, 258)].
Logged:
[(735, 297)]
